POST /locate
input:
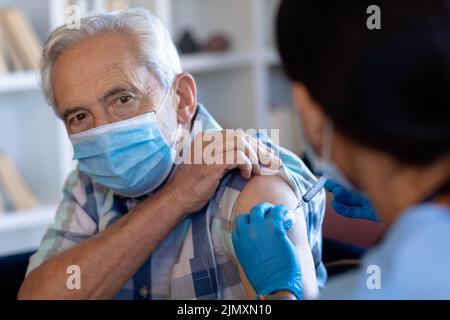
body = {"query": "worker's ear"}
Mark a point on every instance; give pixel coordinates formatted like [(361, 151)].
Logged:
[(313, 118), (186, 93)]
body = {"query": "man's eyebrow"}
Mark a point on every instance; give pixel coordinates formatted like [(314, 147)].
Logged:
[(114, 91)]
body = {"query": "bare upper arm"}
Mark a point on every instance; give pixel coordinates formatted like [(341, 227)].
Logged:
[(276, 190)]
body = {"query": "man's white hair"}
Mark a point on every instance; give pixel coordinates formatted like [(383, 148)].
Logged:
[(155, 47)]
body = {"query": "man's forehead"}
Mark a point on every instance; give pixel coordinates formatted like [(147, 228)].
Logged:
[(94, 66), (95, 56)]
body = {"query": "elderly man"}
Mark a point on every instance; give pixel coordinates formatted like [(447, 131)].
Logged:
[(136, 224)]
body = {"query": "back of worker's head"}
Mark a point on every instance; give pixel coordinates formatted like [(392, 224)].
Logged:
[(387, 88)]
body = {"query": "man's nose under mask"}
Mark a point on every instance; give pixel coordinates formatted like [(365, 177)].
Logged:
[(130, 157)]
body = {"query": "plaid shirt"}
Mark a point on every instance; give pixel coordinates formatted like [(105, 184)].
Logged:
[(196, 260)]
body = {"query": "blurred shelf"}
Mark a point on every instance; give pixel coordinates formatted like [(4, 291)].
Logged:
[(206, 62), (22, 231), (194, 63), (19, 81)]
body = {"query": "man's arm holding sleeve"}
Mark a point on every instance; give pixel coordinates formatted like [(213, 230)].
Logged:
[(106, 259), (276, 190)]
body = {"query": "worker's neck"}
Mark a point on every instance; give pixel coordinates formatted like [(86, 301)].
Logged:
[(394, 186)]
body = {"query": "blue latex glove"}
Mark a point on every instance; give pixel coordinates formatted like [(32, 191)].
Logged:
[(265, 252), (350, 204)]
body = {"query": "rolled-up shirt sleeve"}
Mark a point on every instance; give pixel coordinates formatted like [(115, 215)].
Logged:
[(300, 179), (73, 222)]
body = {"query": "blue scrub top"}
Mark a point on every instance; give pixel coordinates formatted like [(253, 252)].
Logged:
[(412, 261)]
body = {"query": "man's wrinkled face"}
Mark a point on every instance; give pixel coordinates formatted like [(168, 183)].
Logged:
[(100, 81)]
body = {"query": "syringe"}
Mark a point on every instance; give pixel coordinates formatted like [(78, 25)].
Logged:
[(311, 193), (307, 197)]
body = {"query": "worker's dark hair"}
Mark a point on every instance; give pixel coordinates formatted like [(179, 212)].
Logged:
[(387, 89)]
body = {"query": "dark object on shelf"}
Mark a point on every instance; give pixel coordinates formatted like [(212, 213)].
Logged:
[(187, 43), (217, 43)]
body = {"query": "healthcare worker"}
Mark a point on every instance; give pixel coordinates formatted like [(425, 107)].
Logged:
[(374, 103)]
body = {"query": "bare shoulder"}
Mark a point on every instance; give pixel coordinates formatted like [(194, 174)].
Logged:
[(269, 188), (276, 190)]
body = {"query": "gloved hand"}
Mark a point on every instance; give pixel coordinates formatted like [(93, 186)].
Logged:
[(350, 204), (265, 252)]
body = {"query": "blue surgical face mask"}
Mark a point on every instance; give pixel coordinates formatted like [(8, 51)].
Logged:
[(130, 157), (323, 163)]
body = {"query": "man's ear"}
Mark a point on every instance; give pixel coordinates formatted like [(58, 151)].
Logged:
[(186, 91), (313, 118)]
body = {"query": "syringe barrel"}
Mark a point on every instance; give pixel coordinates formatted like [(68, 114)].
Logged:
[(314, 189)]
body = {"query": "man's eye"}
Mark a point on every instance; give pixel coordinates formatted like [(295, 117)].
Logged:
[(125, 99), (123, 103), (78, 118)]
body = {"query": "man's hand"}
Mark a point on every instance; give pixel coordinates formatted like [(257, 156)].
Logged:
[(199, 176), (265, 252)]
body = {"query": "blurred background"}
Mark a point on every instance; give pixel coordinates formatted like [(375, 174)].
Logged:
[(228, 46)]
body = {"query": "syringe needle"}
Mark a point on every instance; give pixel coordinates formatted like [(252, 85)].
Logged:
[(308, 196)]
